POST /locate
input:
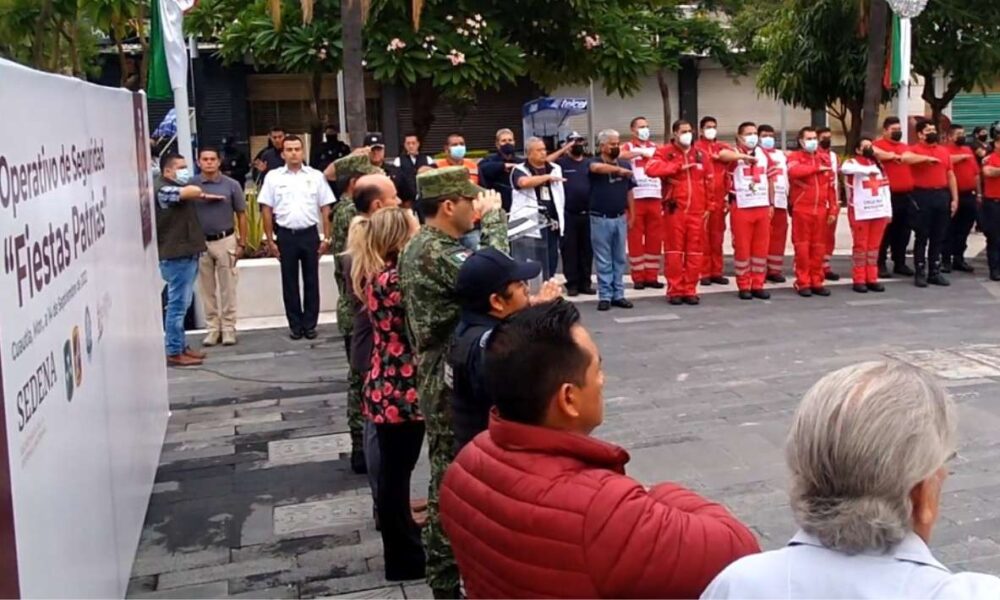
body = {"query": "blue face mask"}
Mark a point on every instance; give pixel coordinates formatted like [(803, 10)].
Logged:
[(457, 152), (750, 140), (810, 145), (767, 143), (182, 176)]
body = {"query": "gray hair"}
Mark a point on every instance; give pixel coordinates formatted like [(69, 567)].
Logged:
[(533, 140), (504, 131), (605, 135), (861, 439)]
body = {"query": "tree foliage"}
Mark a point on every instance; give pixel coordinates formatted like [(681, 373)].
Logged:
[(51, 35)]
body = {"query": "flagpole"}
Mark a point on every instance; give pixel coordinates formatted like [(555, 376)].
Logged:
[(903, 97)]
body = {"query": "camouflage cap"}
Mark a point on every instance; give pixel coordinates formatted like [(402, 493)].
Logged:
[(447, 182), (355, 165)]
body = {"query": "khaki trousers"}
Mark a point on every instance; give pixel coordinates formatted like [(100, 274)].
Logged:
[(217, 279)]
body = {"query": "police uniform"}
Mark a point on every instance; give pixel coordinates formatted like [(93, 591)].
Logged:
[(428, 271)]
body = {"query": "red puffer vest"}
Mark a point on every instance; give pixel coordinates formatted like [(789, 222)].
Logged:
[(533, 512)]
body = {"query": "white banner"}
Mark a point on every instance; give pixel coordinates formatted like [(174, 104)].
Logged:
[(81, 338)]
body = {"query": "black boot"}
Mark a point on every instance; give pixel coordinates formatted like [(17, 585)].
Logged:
[(358, 464), (962, 265), (884, 272), (935, 277), (994, 274), (944, 268), (900, 268), (920, 276)]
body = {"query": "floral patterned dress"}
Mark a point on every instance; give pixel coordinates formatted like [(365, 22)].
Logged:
[(390, 392)]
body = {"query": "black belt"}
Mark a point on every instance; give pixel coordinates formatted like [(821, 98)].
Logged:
[(310, 228), (940, 189), (606, 215), (214, 237)]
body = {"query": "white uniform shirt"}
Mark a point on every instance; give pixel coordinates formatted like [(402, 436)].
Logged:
[(805, 569), (414, 160), (749, 181), (295, 196), (780, 167), (645, 187)]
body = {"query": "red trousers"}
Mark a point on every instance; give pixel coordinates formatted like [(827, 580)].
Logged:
[(809, 236), (831, 243), (751, 235), (779, 236), (715, 233), (645, 240), (685, 246), (867, 236)]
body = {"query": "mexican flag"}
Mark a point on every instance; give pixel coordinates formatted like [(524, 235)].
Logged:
[(169, 59), (894, 57)]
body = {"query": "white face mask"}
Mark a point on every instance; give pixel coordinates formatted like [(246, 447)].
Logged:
[(750, 140), (685, 138), (711, 133), (643, 133)]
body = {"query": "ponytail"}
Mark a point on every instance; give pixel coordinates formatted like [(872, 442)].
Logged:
[(365, 262)]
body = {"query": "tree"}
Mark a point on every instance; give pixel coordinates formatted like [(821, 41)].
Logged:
[(50, 35), (352, 14), (122, 20), (957, 40), (878, 22)]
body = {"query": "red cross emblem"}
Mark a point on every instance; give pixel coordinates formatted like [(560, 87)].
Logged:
[(873, 183), (752, 170)]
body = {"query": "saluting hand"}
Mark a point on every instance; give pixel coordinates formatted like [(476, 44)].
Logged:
[(549, 292), (487, 201)]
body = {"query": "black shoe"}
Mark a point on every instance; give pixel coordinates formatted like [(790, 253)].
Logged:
[(603, 305), (776, 278), (806, 293), (761, 294), (656, 285), (820, 291), (831, 276), (920, 277), (938, 279), (994, 274), (706, 281), (961, 265), (295, 335), (692, 300), (902, 269), (746, 295), (622, 303), (638, 285), (884, 272), (572, 292), (860, 288), (358, 464), (945, 268), (675, 300), (719, 279), (311, 334), (876, 287), (588, 291)]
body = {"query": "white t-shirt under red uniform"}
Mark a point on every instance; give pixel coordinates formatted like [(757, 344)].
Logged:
[(646, 187)]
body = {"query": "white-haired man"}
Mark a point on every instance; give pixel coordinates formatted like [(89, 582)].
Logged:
[(538, 199), (611, 198), (867, 453)]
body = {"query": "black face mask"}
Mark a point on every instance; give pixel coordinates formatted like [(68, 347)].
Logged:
[(960, 141), (576, 150), (614, 153), (825, 144), (868, 152), (507, 149), (932, 138), (982, 137), (896, 136)]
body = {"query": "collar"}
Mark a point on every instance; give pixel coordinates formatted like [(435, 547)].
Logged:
[(471, 317), (532, 438), (911, 549), (216, 179), (438, 233)]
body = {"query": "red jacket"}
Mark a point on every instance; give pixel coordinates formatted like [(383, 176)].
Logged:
[(534, 512), (719, 168), (691, 189), (811, 191)]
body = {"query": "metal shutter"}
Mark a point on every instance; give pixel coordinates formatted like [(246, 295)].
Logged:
[(976, 109)]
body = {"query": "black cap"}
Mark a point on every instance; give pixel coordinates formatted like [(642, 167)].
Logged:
[(374, 139), (488, 272)]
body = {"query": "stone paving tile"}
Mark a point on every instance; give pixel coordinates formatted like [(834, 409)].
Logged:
[(216, 589), (310, 449)]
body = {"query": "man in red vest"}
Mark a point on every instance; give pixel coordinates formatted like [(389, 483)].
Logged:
[(645, 232), (935, 200), (718, 205), (813, 210), (890, 150)]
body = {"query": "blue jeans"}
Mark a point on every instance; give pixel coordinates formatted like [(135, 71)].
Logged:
[(607, 236), (180, 275)]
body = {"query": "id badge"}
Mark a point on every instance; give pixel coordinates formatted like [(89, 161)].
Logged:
[(546, 194)]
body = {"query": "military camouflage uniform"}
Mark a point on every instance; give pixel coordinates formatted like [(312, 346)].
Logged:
[(428, 272), (343, 213)]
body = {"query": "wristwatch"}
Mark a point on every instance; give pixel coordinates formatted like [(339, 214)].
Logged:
[(328, 240)]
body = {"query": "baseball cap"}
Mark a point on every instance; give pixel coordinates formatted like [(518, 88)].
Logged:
[(489, 271), (447, 182), (374, 139), (575, 135)]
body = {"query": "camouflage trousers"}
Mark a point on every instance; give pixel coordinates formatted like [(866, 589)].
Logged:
[(355, 420)]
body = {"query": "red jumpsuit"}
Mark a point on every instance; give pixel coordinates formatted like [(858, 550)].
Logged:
[(777, 171), (750, 218), (831, 228), (645, 236), (686, 190), (812, 202), (715, 233), (866, 181)]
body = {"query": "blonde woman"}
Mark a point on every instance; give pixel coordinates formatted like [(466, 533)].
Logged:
[(390, 391)]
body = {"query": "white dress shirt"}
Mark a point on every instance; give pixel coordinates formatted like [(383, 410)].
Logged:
[(806, 569), (295, 196)]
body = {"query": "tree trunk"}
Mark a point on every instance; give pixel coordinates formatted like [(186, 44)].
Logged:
[(354, 72), (423, 100), (38, 43), (662, 78), (938, 104), (876, 67), (857, 123), (140, 30), (315, 120)]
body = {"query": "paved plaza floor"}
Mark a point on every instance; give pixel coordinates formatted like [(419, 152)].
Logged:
[(254, 497)]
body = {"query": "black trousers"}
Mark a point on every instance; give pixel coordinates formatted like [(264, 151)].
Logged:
[(930, 216), (960, 227), (300, 250), (399, 444), (577, 253), (897, 233), (990, 223)]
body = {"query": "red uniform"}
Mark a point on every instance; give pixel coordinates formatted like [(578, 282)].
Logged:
[(686, 191), (645, 236), (966, 171), (900, 176), (812, 204), (867, 189), (777, 172), (931, 176), (750, 218), (831, 228), (715, 233)]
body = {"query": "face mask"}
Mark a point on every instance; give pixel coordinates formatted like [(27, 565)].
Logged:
[(614, 152), (182, 176), (710, 133), (932, 138), (685, 138), (767, 143), (868, 152), (825, 144), (896, 136), (507, 149), (576, 150), (751, 140), (960, 141), (810, 145), (982, 137), (457, 152), (643, 133)]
